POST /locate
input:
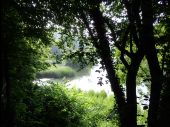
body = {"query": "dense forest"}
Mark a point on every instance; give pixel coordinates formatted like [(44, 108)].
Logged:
[(129, 38)]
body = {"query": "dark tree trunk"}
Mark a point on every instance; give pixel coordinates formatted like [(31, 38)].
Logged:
[(131, 88), (6, 114), (136, 58), (3, 85), (151, 55), (105, 53), (3, 70), (164, 116), (127, 111)]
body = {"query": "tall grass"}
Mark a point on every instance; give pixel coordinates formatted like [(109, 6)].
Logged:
[(60, 71), (57, 71)]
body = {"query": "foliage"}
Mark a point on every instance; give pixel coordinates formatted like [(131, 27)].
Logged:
[(55, 105), (57, 71), (24, 54), (26, 29), (141, 116)]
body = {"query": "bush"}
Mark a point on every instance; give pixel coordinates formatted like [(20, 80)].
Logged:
[(49, 106), (57, 106)]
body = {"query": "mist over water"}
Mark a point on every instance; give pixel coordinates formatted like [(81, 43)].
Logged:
[(96, 81), (91, 81)]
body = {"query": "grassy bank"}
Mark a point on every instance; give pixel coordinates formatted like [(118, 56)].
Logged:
[(58, 71), (61, 71)]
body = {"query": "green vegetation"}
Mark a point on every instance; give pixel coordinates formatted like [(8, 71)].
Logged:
[(57, 71), (57, 106), (130, 37)]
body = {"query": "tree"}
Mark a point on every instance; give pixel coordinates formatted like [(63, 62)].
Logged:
[(94, 23), (21, 57)]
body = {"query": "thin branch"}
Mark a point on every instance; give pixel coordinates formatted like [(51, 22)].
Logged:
[(135, 37), (85, 20), (123, 50), (125, 37), (124, 61), (131, 42)]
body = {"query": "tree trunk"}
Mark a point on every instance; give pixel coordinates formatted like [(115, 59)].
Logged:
[(3, 78), (151, 56), (3, 85), (104, 52), (6, 114), (131, 88), (164, 116)]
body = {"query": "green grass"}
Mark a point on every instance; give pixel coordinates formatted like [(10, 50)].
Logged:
[(57, 72), (60, 71)]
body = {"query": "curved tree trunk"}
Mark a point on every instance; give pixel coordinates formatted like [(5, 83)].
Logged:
[(104, 51), (127, 111)]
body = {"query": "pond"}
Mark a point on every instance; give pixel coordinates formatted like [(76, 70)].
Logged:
[(93, 82), (90, 82)]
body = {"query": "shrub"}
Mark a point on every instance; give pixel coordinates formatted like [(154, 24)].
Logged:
[(57, 106)]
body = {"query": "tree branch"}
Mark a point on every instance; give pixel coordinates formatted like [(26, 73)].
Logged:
[(125, 37), (85, 20)]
